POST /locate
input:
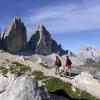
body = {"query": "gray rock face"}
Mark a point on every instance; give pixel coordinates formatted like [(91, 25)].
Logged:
[(0, 38), (14, 37), (21, 88), (86, 82), (55, 47), (42, 43)]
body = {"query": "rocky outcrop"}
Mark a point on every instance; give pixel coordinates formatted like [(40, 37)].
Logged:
[(42, 43), (14, 37), (86, 82), (21, 88)]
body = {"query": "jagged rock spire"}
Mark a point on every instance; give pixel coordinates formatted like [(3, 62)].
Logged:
[(41, 42), (14, 37)]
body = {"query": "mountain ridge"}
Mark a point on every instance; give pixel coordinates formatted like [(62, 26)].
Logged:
[(14, 39)]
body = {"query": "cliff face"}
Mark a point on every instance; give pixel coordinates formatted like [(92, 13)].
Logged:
[(14, 37), (41, 42)]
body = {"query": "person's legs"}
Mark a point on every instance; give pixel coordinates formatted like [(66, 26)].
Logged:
[(65, 70), (56, 70), (59, 71), (69, 72)]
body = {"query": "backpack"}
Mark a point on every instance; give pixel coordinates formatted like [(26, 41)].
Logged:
[(68, 62), (58, 62)]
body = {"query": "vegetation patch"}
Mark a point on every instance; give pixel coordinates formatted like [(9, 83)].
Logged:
[(39, 75), (44, 64), (3, 71), (16, 68)]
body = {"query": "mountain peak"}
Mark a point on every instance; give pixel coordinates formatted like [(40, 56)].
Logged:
[(40, 28), (14, 37), (89, 52), (41, 42), (88, 47), (16, 18)]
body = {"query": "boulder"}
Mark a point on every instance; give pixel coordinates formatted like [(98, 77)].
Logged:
[(86, 82), (21, 88), (14, 37)]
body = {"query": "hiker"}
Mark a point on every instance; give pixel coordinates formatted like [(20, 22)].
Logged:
[(57, 64), (68, 66)]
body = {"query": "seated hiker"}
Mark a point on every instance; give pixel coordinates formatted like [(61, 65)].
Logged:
[(68, 66), (57, 64)]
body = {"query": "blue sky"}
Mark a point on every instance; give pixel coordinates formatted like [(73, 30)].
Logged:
[(72, 23)]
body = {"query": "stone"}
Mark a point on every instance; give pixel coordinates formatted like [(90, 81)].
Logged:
[(14, 37), (85, 81), (21, 88)]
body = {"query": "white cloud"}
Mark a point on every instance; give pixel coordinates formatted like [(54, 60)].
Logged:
[(66, 18)]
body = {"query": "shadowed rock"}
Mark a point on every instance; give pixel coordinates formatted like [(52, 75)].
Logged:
[(42, 43), (14, 37)]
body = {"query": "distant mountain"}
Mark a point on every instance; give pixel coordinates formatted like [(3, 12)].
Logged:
[(42, 43), (89, 53), (14, 40)]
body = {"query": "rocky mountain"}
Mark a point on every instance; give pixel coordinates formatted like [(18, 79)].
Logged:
[(42, 43), (89, 53), (14, 40), (14, 37), (0, 38)]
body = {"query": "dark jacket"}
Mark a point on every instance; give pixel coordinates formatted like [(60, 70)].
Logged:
[(58, 62)]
